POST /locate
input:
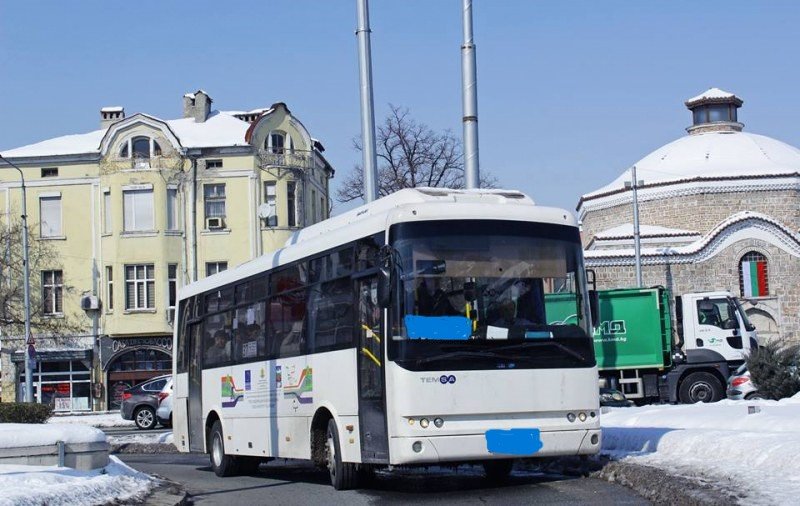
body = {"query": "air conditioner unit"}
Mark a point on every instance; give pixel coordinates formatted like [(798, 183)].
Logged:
[(90, 303), (214, 223)]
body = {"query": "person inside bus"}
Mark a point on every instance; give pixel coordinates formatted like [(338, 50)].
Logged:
[(432, 300), (220, 351), (507, 316)]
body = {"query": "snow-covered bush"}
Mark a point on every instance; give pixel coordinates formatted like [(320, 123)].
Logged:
[(24, 412), (775, 369)]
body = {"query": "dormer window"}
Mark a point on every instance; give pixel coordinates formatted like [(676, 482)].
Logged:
[(141, 147), (276, 142)]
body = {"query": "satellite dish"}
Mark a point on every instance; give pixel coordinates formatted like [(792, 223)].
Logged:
[(266, 211)]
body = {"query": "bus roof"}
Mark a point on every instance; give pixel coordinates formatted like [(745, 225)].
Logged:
[(373, 218)]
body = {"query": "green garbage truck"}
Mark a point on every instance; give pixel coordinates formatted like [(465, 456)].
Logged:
[(652, 354)]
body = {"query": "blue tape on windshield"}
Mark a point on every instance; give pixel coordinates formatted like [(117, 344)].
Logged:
[(455, 328), (513, 441), (538, 334)]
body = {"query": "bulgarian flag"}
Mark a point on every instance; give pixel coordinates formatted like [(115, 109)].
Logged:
[(754, 278)]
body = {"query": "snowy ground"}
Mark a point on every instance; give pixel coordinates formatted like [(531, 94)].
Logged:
[(143, 438), (107, 419), (37, 485), (722, 442)]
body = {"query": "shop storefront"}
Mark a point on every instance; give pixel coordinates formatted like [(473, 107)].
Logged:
[(62, 379), (129, 361)]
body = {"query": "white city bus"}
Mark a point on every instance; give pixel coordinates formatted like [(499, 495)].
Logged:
[(412, 330)]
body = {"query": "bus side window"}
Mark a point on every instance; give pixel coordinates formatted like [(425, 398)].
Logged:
[(287, 320), (217, 339)]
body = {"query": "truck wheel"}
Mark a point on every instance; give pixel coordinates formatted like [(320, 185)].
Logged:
[(700, 387)]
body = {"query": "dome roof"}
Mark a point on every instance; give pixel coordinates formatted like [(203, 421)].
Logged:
[(711, 155)]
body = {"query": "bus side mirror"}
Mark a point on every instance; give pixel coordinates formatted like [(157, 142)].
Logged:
[(594, 307), (385, 276)]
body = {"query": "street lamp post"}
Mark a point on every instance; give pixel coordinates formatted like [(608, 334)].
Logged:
[(27, 289), (637, 243)]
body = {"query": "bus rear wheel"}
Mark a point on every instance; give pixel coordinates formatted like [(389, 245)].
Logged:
[(344, 475), (221, 464)]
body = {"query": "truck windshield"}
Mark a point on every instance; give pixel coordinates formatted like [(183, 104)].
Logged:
[(489, 294)]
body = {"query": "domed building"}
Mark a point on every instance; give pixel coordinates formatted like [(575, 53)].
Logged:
[(718, 210)]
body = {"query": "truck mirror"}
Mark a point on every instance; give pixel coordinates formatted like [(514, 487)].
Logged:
[(594, 307)]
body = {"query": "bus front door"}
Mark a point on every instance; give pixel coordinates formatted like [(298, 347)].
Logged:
[(371, 388), (194, 403)]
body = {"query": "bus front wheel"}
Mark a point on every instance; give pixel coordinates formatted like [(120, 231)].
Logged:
[(221, 464), (344, 475)]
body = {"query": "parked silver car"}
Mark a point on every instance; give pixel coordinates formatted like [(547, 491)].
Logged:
[(740, 386), (164, 411), (139, 403)]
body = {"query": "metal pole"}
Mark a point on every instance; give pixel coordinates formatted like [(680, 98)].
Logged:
[(469, 94), (27, 289), (637, 245), (367, 105)]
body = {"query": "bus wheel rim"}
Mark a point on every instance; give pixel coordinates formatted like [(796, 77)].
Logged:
[(217, 450), (331, 455)]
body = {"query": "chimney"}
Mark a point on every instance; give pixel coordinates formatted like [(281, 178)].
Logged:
[(110, 115), (197, 105)]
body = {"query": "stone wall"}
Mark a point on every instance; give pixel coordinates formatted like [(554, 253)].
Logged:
[(701, 212), (721, 272)]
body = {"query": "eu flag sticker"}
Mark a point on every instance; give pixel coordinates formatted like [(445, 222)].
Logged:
[(513, 441), (247, 379)]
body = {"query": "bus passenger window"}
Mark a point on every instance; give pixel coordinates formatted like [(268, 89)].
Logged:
[(287, 319)]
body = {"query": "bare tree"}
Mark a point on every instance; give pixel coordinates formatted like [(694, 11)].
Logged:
[(12, 312), (410, 155)]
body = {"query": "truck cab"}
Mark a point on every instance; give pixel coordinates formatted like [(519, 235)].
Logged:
[(714, 327)]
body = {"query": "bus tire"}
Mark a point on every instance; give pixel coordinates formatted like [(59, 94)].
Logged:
[(344, 475), (497, 471), (700, 387), (222, 465)]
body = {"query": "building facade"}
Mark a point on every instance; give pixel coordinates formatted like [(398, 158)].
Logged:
[(718, 210), (129, 213)]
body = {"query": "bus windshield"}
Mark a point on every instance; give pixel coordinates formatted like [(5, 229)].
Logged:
[(489, 294)]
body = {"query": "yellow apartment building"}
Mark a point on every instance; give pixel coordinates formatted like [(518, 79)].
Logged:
[(135, 210)]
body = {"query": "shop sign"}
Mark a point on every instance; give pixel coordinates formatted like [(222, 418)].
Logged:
[(111, 347)]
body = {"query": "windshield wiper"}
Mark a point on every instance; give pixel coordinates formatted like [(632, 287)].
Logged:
[(466, 354), (556, 344)]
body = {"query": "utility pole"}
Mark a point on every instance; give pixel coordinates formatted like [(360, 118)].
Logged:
[(469, 95), (29, 342), (367, 104), (637, 243)]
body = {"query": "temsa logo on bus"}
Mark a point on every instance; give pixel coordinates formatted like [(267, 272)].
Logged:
[(444, 379)]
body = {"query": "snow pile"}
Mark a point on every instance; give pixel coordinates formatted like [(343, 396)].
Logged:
[(145, 438), (37, 485), (752, 445), (16, 435), (110, 419)]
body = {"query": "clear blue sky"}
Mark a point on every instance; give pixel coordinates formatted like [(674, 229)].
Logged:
[(570, 93)]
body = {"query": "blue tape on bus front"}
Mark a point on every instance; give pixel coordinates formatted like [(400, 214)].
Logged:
[(538, 334), (513, 441), (456, 328)]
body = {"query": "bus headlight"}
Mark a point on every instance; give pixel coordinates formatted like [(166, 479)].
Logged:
[(424, 422), (438, 422)]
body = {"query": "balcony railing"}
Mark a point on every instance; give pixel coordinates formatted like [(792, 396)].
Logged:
[(289, 158)]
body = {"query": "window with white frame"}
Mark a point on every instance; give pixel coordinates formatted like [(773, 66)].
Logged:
[(215, 267), (172, 209), (140, 290), (291, 203), (138, 209), (270, 198), (172, 290), (107, 216), (276, 142), (50, 216), (52, 292), (214, 195), (109, 288)]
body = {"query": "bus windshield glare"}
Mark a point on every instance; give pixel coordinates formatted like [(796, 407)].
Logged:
[(489, 294)]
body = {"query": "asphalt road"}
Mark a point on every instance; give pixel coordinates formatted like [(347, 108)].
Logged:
[(298, 482)]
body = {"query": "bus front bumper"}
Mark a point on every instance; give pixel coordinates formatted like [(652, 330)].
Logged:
[(472, 447)]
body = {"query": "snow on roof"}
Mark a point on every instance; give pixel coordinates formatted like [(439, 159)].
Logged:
[(220, 129), (626, 230), (711, 155), (711, 94), (115, 108), (259, 110)]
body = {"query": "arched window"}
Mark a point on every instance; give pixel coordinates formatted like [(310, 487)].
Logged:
[(156, 149), (123, 153), (141, 147), (276, 142), (753, 275)]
